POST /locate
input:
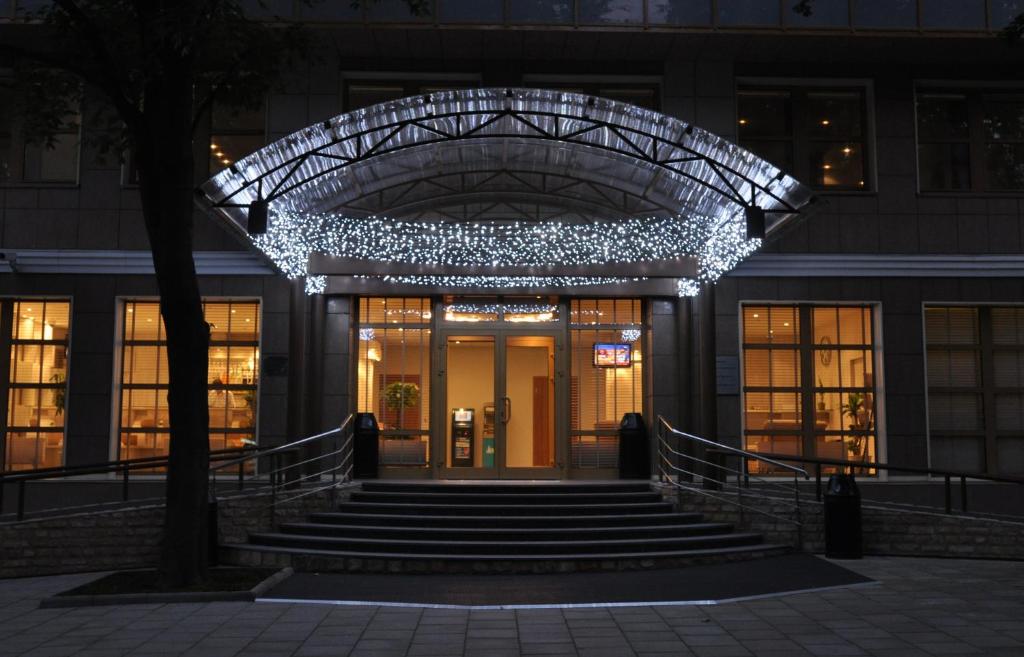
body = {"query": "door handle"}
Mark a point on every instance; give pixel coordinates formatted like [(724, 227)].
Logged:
[(508, 409)]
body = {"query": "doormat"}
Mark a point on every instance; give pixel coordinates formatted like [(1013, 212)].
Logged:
[(695, 585)]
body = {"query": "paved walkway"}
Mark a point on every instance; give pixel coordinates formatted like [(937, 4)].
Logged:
[(921, 607)]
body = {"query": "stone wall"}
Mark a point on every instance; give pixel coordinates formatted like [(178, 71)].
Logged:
[(886, 531), (130, 537)]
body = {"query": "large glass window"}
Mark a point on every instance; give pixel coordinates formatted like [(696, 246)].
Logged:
[(808, 381), (360, 93), (393, 375), (953, 14), (748, 12), (232, 382), (26, 157), (606, 376), (818, 135), (37, 383), (234, 133), (976, 388), (970, 140)]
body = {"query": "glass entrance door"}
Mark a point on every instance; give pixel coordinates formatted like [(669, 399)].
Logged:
[(500, 405)]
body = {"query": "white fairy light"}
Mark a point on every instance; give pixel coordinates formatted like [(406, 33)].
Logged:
[(495, 308), (630, 335), (366, 334), (717, 245), (687, 287), (316, 284)]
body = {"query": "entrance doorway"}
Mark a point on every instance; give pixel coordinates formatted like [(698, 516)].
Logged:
[(500, 404)]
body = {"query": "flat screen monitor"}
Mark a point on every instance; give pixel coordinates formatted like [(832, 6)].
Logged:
[(612, 355)]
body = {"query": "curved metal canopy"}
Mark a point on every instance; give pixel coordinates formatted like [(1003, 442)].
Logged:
[(486, 160)]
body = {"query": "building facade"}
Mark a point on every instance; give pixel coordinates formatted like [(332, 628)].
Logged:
[(883, 320)]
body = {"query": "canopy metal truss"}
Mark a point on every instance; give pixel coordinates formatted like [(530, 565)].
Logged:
[(502, 155)]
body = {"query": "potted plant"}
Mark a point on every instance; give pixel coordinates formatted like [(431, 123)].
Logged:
[(856, 408), (400, 395), (58, 394)]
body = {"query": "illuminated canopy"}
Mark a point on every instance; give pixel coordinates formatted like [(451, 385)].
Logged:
[(505, 188)]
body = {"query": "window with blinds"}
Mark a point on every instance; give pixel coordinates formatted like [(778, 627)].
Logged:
[(808, 381), (975, 370), (600, 395), (37, 383), (393, 375), (232, 380)]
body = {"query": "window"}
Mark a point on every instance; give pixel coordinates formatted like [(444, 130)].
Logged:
[(748, 12), (599, 395), (232, 383), (976, 388), (819, 135), (610, 11), (953, 14), (25, 157), (885, 14), (808, 381), (359, 94), (642, 95), (970, 140), (393, 375), (36, 382), (678, 12), (234, 133)]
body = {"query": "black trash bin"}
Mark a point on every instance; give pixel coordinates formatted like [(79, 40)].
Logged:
[(634, 453), (366, 450), (843, 537)]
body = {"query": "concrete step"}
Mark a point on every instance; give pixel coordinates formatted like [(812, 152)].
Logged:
[(549, 548), (484, 533), (511, 522), (342, 561), (410, 508), (477, 487), (518, 497)]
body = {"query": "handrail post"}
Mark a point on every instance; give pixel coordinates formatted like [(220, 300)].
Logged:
[(799, 517), (949, 496), (241, 476), (963, 493), (3, 485), (21, 500), (124, 483), (817, 481)]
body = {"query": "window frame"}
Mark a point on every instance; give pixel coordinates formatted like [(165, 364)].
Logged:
[(119, 345), (799, 89), (19, 150), (975, 93), (807, 351), (7, 342), (986, 390), (412, 84)]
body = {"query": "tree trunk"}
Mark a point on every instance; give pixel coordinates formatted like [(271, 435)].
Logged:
[(166, 181)]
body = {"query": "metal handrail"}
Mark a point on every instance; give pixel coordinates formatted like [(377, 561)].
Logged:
[(947, 475), (733, 450), (123, 466), (666, 467)]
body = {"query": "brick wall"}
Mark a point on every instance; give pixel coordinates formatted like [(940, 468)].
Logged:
[(128, 538), (886, 531)]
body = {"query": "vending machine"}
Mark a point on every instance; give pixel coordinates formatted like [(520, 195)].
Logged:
[(487, 459), (463, 432)]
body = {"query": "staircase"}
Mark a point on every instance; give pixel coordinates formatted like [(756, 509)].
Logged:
[(499, 527)]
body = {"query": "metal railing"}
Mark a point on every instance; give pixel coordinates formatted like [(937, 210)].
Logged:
[(680, 468), (284, 469), (286, 472), (947, 475), (122, 468)]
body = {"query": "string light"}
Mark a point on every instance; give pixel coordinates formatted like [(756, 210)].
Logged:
[(495, 308), (316, 284), (718, 245), (630, 335), (687, 287), (366, 334)]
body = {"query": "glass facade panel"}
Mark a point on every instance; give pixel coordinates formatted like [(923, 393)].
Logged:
[(827, 13), (471, 11), (679, 12), (891, 14), (748, 12), (1004, 11), (610, 11), (232, 380), (953, 14), (540, 11), (37, 387), (393, 375), (599, 395)]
